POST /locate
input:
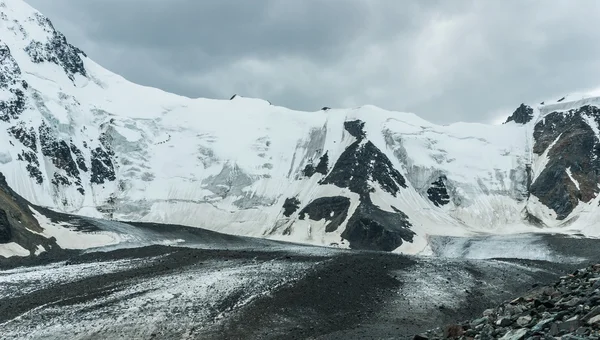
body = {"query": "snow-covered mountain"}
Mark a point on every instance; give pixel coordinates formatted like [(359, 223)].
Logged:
[(79, 139)]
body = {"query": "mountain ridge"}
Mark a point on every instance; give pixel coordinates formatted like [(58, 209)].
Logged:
[(82, 140)]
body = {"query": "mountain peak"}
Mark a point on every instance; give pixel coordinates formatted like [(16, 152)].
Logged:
[(33, 39), (522, 115)]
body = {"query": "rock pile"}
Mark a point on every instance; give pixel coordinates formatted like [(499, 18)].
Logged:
[(568, 310)]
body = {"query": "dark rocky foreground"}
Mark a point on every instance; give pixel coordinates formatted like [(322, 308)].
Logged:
[(252, 291), (568, 309)]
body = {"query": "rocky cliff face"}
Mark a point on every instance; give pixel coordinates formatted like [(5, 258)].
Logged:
[(360, 168), (522, 115), (17, 223)]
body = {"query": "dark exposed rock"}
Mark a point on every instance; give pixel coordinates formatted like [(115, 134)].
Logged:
[(29, 157), (576, 149), (56, 50), (5, 233), (375, 229), (62, 156), (325, 108), (26, 136), (290, 206), (58, 151), (79, 159), (522, 115), (321, 168), (33, 165), (35, 173), (10, 80), (355, 128), (60, 180), (333, 209), (12, 109), (105, 140), (561, 99), (323, 163), (232, 97), (437, 192), (102, 167), (362, 163), (10, 72), (309, 170), (17, 223)]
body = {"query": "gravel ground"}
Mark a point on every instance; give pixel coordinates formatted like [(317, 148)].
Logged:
[(258, 292)]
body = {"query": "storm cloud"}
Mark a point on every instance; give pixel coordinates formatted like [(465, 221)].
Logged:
[(456, 60)]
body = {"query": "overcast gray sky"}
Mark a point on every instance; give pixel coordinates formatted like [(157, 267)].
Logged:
[(446, 60)]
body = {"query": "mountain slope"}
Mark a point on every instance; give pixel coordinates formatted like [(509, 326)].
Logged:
[(80, 139)]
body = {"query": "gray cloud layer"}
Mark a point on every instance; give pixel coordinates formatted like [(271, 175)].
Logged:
[(451, 60)]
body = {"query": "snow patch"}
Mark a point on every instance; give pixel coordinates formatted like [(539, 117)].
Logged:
[(12, 249), (5, 157), (69, 238), (542, 161), (568, 170), (39, 249)]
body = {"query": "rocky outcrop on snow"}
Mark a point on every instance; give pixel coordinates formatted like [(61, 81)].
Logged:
[(438, 193), (290, 205), (362, 163), (570, 144), (56, 50), (333, 209), (361, 166), (522, 115), (321, 167), (568, 310), (11, 82)]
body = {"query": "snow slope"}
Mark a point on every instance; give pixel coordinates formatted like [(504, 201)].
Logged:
[(80, 139)]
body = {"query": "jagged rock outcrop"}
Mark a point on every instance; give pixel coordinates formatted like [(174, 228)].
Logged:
[(59, 152), (33, 165), (438, 193), (375, 229), (11, 82), (290, 206), (56, 50), (25, 135), (572, 149), (522, 115), (361, 164), (321, 167), (333, 209)]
